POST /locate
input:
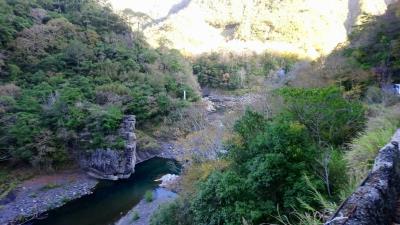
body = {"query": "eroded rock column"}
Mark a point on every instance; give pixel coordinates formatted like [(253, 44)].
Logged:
[(114, 164)]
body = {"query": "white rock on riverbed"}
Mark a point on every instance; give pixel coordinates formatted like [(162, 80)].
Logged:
[(210, 107), (168, 180)]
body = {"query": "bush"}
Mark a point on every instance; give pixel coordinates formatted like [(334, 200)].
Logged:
[(148, 196), (135, 216), (267, 170), (146, 142), (176, 212), (330, 118)]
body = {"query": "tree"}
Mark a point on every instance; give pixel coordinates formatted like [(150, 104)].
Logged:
[(268, 169), (329, 118), (76, 52)]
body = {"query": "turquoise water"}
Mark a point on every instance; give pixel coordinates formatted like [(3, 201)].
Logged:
[(111, 199)]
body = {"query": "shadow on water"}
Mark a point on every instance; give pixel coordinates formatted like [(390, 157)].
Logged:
[(111, 199)]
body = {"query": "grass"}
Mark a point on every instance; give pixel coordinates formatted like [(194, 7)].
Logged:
[(9, 179), (146, 142), (148, 196), (9, 188), (49, 186), (360, 158), (135, 216), (365, 147), (309, 215)]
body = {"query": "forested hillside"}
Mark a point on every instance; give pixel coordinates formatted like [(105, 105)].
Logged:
[(69, 71)]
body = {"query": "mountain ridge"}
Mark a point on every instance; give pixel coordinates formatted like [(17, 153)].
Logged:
[(254, 26)]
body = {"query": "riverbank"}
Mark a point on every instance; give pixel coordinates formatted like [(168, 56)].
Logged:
[(34, 197), (142, 212), (42, 193), (110, 200)]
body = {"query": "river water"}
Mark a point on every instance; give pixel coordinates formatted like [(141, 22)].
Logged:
[(111, 199)]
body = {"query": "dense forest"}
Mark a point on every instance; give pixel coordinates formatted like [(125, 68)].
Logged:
[(70, 71)]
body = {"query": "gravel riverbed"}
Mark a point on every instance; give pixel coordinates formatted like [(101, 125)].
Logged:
[(36, 196), (142, 212)]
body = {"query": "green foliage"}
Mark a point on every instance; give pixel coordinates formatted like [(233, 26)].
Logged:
[(7, 183), (268, 170), (232, 72), (50, 186), (377, 44), (307, 214), (148, 196), (365, 147), (330, 119), (146, 142), (276, 165), (177, 212), (135, 216), (78, 71)]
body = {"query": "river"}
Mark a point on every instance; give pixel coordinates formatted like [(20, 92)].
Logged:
[(111, 199)]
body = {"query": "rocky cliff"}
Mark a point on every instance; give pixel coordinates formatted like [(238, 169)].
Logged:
[(114, 164), (375, 200)]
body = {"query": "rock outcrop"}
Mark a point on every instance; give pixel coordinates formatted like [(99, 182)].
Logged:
[(114, 164), (374, 201), (169, 181)]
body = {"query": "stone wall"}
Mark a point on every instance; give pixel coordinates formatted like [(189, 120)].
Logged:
[(374, 201)]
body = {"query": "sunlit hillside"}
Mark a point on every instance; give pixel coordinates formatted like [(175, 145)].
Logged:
[(307, 27)]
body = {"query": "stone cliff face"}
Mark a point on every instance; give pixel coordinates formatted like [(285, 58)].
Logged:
[(114, 164), (375, 200)]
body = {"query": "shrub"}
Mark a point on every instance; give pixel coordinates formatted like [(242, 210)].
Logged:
[(330, 118), (148, 196), (50, 186), (267, 169), (176, 212), (146, 142), (135, 216)]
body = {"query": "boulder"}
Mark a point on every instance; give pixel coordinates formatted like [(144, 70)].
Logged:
[(169, 181)]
